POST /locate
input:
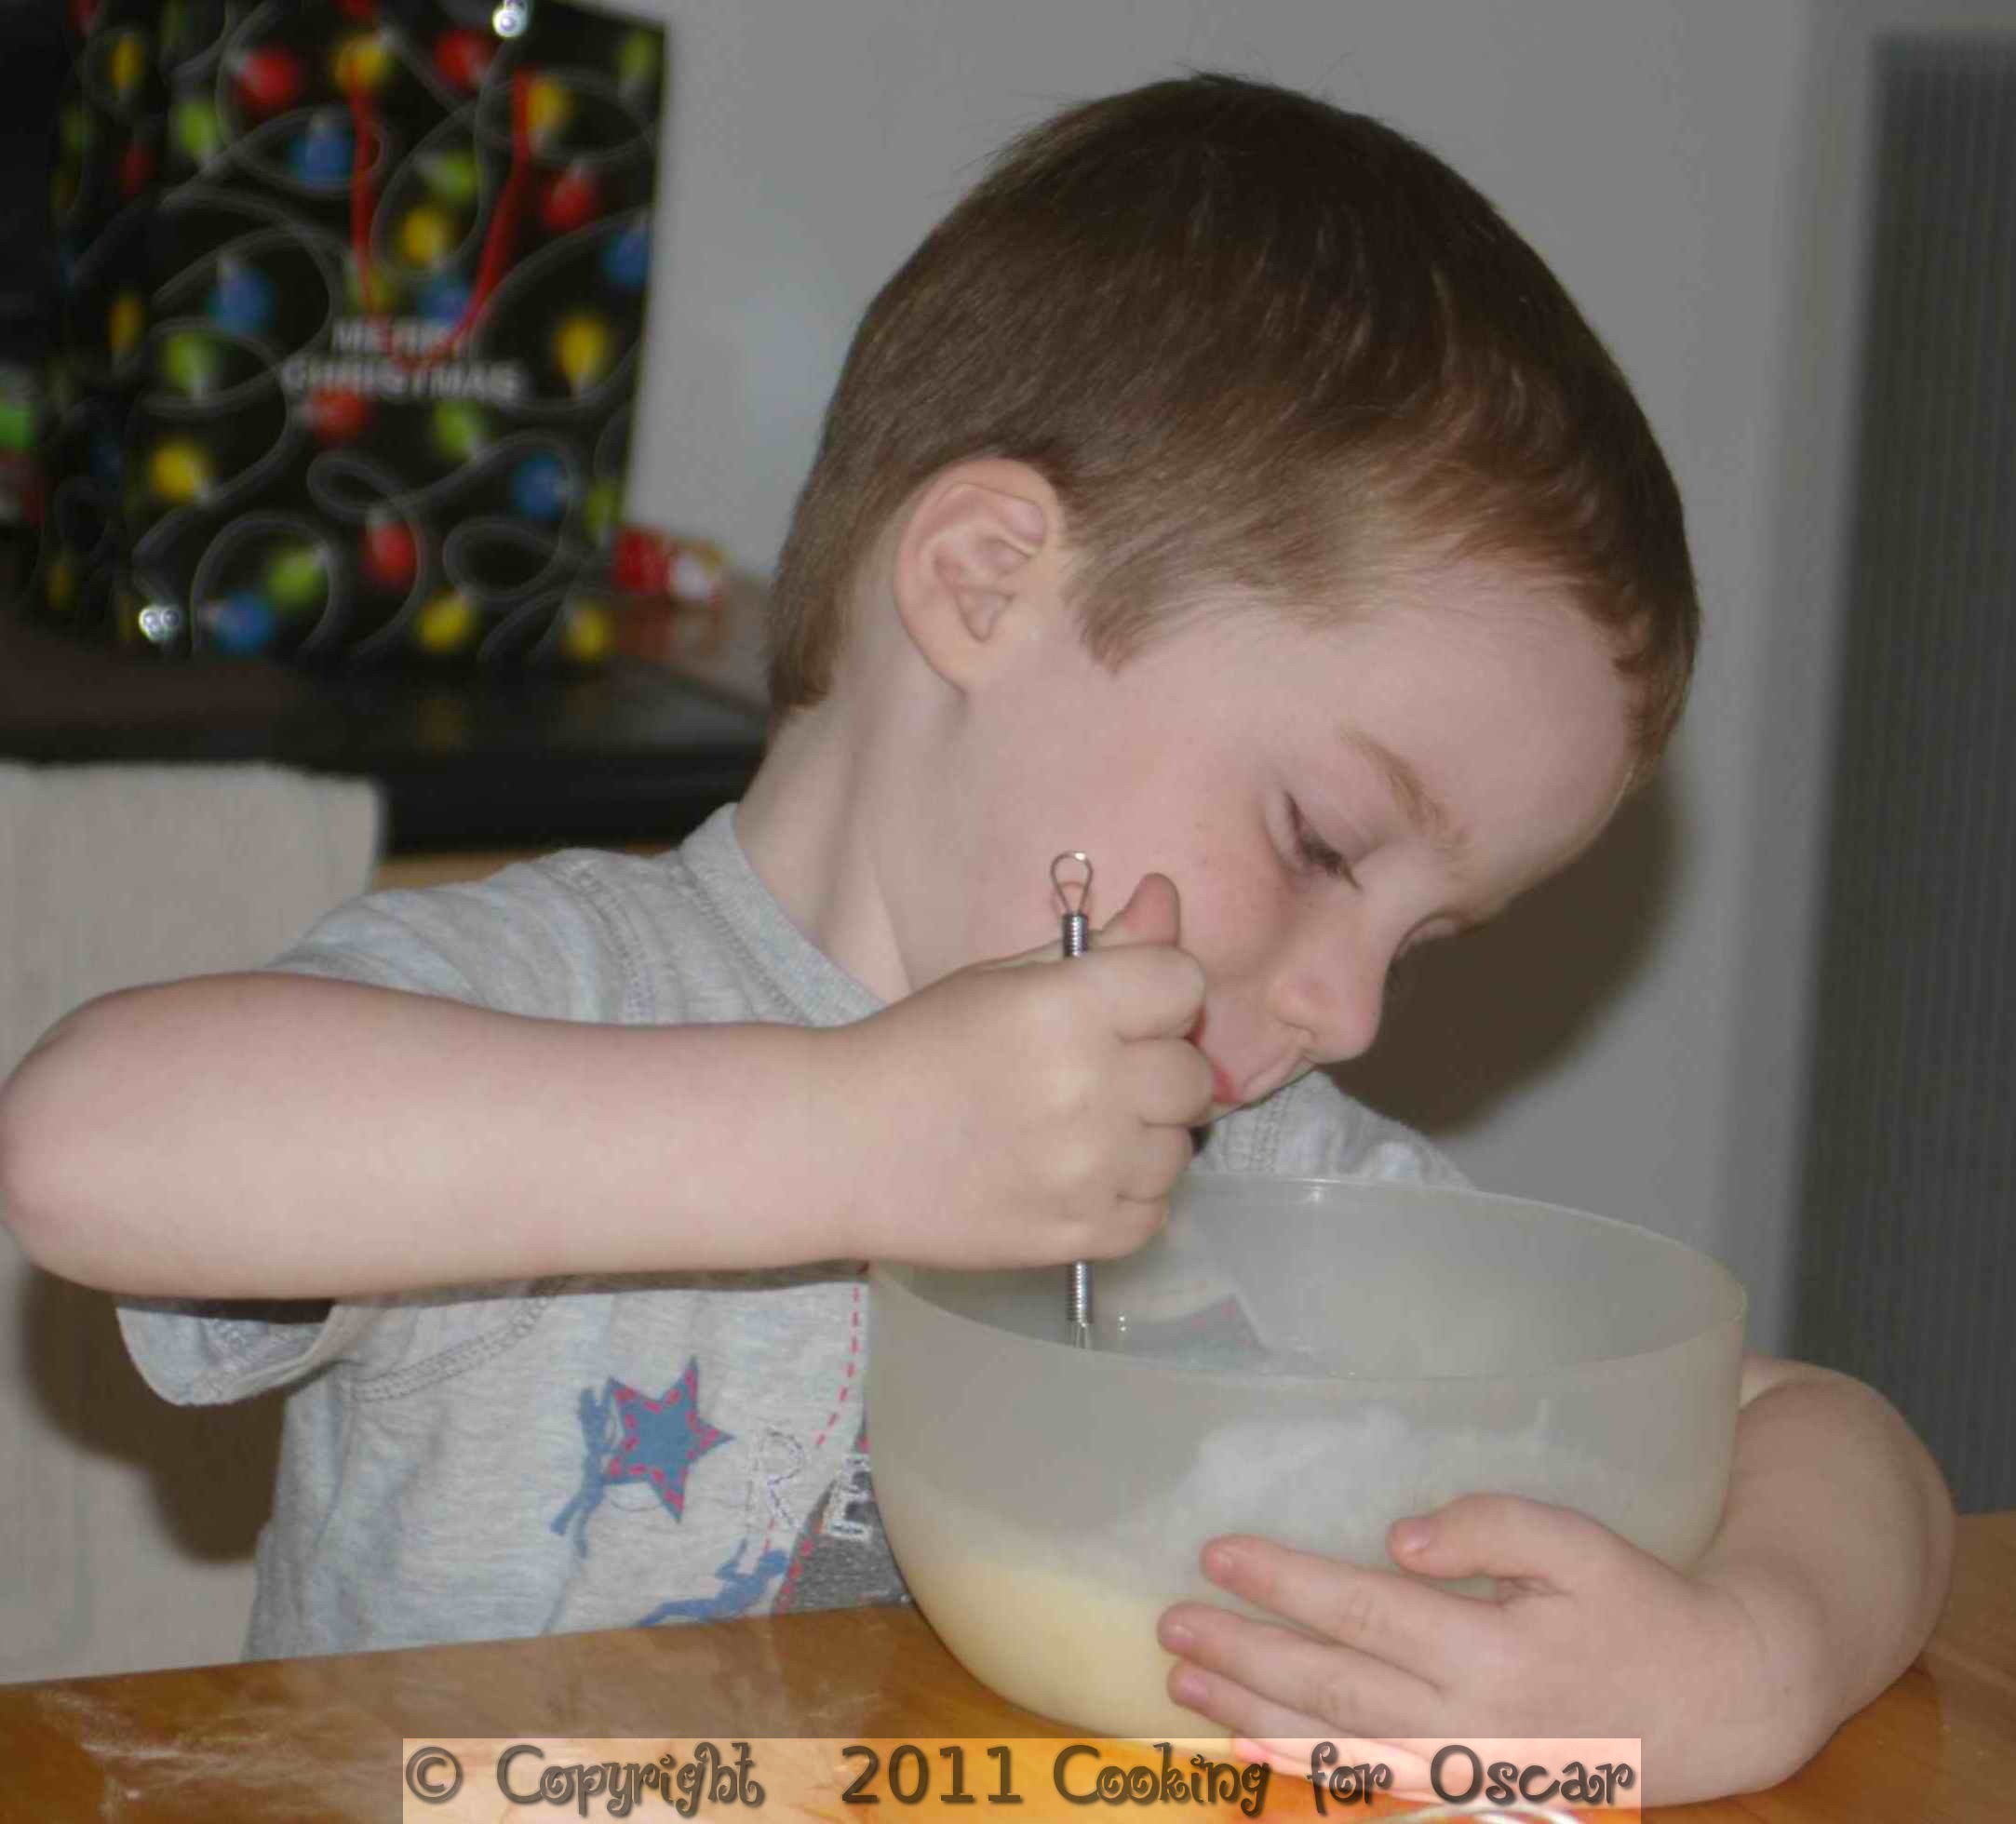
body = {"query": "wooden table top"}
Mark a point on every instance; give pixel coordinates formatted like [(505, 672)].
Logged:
[(320, 1737)]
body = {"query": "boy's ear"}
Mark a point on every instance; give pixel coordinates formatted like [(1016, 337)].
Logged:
[(976, 565)]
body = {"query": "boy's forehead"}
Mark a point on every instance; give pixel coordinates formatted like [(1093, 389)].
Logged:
[(1456, 634), (1512, 609), (1440, 575), (1445, 599)]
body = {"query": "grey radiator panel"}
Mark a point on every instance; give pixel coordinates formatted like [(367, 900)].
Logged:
[(1908, 1216)]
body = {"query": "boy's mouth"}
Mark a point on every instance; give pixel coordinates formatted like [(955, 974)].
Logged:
[(1224, 1092), (1225, 1095)]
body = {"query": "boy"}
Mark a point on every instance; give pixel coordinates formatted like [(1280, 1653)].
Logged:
[(1222, 490)]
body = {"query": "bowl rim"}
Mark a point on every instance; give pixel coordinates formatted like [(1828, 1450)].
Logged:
[(899, 1276)]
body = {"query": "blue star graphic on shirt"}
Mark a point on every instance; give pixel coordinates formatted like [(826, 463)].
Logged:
[(740, 1590), (662, 1439)]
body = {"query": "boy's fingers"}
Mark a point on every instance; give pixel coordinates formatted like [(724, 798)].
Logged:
[(1277, 1681), (1393, 1620), (1505, 1537), (1172, 1082), (1152, 916), (1152, 991), (1162, 1158), (1240, 1714), (1150, 1214)]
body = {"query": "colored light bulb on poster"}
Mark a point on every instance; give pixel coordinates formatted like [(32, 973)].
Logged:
[(190, 363), (269, 80), (322, 154), (463, 57), (337, 416), (198, 132), (541, 488), (390, 552), (179, 472), (137, 164), (239, 625)]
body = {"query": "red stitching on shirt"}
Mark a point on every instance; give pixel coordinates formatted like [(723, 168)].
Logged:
[(854, 1350), (802, 1555)]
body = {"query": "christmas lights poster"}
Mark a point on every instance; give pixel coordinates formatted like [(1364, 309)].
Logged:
[(356, 296)]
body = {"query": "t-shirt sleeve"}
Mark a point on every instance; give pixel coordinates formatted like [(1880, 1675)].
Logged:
[(537, 939), (197, 1352), (541, 938)]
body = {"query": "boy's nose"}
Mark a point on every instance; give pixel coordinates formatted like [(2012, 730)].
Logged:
[(1335, 1000)]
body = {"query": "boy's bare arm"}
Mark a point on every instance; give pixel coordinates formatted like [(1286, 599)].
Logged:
[(274, 1136), (280, 1135), (1837, 1539)]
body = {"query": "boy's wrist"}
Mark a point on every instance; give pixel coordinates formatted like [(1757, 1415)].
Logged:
[(824, 1146), (1793, 1686), (846, 1128)]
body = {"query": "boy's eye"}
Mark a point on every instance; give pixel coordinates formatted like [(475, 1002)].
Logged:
[(1313, 851)]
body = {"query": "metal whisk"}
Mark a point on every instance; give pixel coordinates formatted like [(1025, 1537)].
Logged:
[(1077, 938)]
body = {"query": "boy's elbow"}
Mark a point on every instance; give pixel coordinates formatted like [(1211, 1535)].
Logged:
[(47, 1119), (1940, 1527), (29, 1200)]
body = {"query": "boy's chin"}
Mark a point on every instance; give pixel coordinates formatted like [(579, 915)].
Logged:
[(1226, 1102)]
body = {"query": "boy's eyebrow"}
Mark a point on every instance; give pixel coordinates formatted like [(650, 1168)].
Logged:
[(1427, 812)]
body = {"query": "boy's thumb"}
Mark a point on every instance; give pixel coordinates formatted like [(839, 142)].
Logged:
[(1152, 916)]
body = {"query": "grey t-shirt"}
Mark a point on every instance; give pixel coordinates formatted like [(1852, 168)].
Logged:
[(519, 1458)]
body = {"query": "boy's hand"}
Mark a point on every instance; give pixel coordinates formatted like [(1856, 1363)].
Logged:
[(1037, 1110), (1585, 1636)]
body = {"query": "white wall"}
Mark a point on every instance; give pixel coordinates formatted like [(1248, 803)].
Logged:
[(1629, 1040)]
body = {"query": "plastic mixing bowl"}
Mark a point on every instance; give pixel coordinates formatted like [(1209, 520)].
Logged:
[(1306, 1359)]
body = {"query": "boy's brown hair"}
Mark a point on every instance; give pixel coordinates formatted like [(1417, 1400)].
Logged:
[(1255, 343)]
